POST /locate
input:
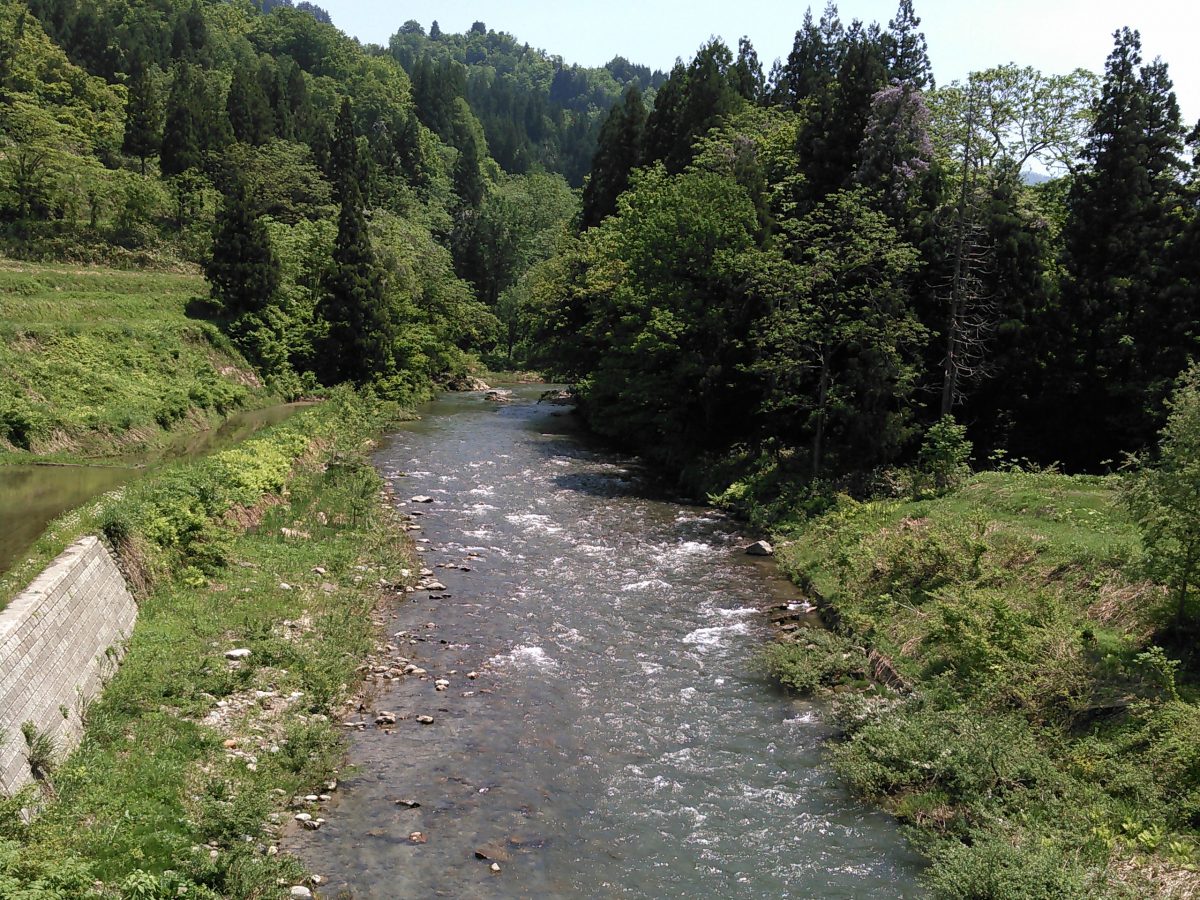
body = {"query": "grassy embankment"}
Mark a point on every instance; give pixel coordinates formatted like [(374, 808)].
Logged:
[(95, 361), (280, 546), (1046, 749)]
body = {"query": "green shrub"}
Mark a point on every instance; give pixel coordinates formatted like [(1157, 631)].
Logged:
[(814, 658), (944, 459), (1000, 867), (21, 423)]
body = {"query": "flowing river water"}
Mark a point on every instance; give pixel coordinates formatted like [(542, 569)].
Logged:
[(617, 740)]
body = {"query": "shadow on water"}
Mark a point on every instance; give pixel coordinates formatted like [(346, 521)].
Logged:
[(31, 497)]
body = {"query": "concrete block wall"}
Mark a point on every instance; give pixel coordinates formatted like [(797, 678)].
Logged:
[(60, 641)]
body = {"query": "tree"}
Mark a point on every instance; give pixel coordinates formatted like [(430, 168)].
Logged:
[(907, 53), (668, 310), (181, 148), (1125, 341), (837, 353), (243, 271), (1018, 116), (247, 106), (618, 153), (359, 326), (143, 117), (1164, 496)]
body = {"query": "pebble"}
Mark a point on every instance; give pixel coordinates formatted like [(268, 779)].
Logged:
[(284, 586), (385, 718), (441, 684), (300, 892), (303, 817), (495, 867), (418, 837), (425, 720), (240, 653), (472, 675), (421, 498), (318, 570)]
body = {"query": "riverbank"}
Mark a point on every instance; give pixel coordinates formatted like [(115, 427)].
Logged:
[(260, 571), (96, 362), (1045, 747)]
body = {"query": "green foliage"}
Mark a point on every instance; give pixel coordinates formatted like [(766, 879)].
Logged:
[(945, 455), (811, 659), (1048, 746), (94, 356), (1164, 497), (149, 782), (243, 270)]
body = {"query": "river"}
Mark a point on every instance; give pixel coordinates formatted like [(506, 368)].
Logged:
[(617, 741)]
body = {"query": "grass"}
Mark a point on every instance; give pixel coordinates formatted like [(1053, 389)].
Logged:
[(1048, 748), (189, 760), (93, 360)]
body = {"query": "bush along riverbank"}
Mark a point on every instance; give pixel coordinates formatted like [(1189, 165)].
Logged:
[(260, 572), (999, 688)]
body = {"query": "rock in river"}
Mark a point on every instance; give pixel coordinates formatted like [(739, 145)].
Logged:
[(760, 548)]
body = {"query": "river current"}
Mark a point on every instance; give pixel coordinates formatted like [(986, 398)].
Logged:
[(617, 740)]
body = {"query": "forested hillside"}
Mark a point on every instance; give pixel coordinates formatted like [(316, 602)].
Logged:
[(353, 225)]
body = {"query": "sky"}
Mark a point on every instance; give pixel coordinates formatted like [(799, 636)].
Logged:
[(1055, 36)]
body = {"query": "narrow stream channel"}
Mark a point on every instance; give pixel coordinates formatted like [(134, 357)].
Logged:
[(31, 497), (617, 741)]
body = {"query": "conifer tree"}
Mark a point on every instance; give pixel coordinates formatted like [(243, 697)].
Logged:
[(343, 170), (181, 147), (907, 52), (1123, 351), (143, 116), (243, 271), (618, 152), (248, 108), (358, 322)]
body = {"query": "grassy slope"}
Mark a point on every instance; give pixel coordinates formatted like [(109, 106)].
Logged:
[(93, 360), (1041, 755), (189, 760)]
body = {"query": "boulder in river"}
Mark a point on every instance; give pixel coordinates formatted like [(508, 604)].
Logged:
[(760, 548), (558, 398), (421, 498), (464, 383), (499, 396)]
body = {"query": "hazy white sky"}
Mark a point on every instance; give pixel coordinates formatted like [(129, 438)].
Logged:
[(963, 35)]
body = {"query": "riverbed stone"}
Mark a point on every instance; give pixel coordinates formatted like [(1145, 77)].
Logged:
[(492, 852), (300, 892), (421, 498), (760, 548)]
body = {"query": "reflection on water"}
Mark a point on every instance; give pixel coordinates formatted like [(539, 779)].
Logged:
[(616, 741), (31, 497)]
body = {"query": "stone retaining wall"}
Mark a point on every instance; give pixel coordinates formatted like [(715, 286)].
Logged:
[(60, 640)]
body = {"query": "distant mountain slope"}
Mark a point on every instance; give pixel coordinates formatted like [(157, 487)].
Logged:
[(536, 111)]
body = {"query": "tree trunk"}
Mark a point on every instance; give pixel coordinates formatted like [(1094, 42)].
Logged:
[(819, 436)]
